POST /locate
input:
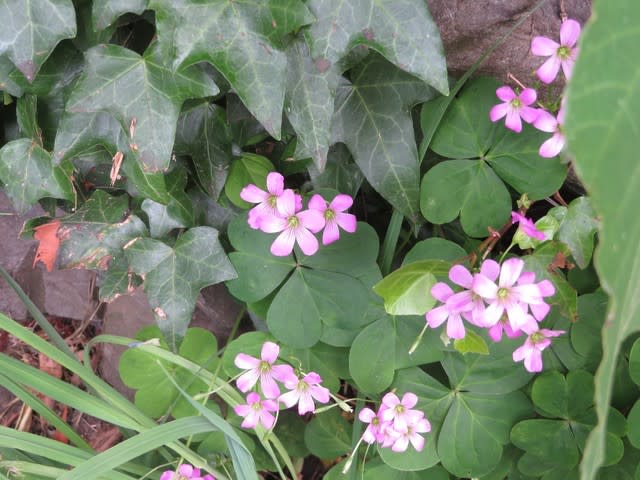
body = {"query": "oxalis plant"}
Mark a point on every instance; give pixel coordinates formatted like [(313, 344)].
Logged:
[(423, 288)]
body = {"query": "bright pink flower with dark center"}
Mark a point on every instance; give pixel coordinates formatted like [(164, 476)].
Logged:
[(303, 391), (334, 216), (263, 369), (561, 54), (257, 411), (514, 107), (536, 342), (295, 227), (527, 226), (185, 472), (548, 123)]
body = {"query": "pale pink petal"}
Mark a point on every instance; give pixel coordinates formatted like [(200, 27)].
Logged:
[(245, 361), (391, 401), (490, 269), (251, 420), (521, 352), (441, 291), (417, 441), (529, 114), (275, 183), (272, 224), (495, 332), (461, 301), (253, 194), (409, 400), (341, 202), (505, 93), (511, 333), (312, 378), (286, 203), (569, 32), (542, 344), (267, 420), (318, 203), (269, 386), (186, 470), (401, 444), (253, 397), (527, 293), (307, 241), (567, 67), (437, 316), (461, 276), (455, 327), (331, 233), (544, 47), (484, 287), (283, 245), (242, 410), (498, 111), (560, 116), (366, 415), (546, 288), (513, 122), (552, 333), (269, 352), (517, 315), (312, 220), (527, 277), (167, 475), (533, 362), (549, 69), (347, 221), (270, 405), (546, 122), (528, 96), (290, 398), (284, 374), (510, 272), (321, 394), (492, 314), (305, 404), (247, 380), (298, 199)]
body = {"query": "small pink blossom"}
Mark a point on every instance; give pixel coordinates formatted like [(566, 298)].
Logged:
[(303, 391), (536, 342), (452, 315), (527, 226), (375, 431), (263, 369), (467, 301), (514, 107), (410, 434), (267, 201), (334, 216), (295, 227), (257, 411), (561, 54), (548, 123), (185, 472), (399, 411)]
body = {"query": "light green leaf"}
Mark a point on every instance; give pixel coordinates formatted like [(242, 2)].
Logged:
[(578, 229), (140, 90), (603, 135), (31, 30), (173, 277), (401, 30), (407, 291), (372, 118), (227, 35), (28, 175), (468, 188), (471, 343)]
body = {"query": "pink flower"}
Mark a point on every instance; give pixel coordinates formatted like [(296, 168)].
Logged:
[(257, 411), (294, 227), (514, 107), (303, 391), (509, 296), (399, 411), (548, 123), (527, 226), (185, 472), (467, 301), (560, 55), (264, 370), (410, 434), (375, 431), (267, 201), (437, 316), (536, 342), (334, 216)]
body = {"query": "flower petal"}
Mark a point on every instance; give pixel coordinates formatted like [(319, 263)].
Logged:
[(275, 183), (436, 316), (272, 224), (247, 380), (490, 269), (284, 374), (549, 69), (347, 221), (528, 96), (409, 400), (318, 203), (283, 245), (307, 241), (441, 291), (245, 361), (510, 272), (543, 46), (253, 194), (286, 203), (305, 404), (461, 276), (529, 114), (321, 394), (569, 32), (455, 327), (312, 220), (567, 67), (533, 362), (505, 93), (331, 232), (484, 287), (552, 146), (341, 202), (267, 420), (290, 398), (546, 122), (366, 415), (269, 352), (513, 122), (498, 111)]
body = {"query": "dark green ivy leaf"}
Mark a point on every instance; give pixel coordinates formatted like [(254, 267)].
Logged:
[(31, 29), (173, 277), (105, 13), (140, 90)]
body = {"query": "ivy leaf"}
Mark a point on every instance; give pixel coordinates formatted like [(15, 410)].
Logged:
[(228, 35), (203, 134), (28, 175), (121, 82), (173, 277), (340, 173), (105, 14), (31, 29), (372, 118), (577, 230), (118, 279), (401, 30)]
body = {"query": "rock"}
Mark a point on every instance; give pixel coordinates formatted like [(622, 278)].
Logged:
[(469, 28)]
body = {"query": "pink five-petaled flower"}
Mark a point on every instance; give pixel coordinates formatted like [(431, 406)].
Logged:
[(267, 201), (410, 433), (467, 301), (295, 226), (399, 411), (303, 391), (264, 370), (560, 55), (509, 296), (527, 226), (548, 123), (375, 431), (437, 316), (334, 216), (257, 411), (536, 342), (185, 472), (514, 107)]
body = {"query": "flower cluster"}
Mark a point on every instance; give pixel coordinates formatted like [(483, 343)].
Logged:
[(301, 390), (502, 299), (279, 210), (395, 424), (185, 472), (517, 107)]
